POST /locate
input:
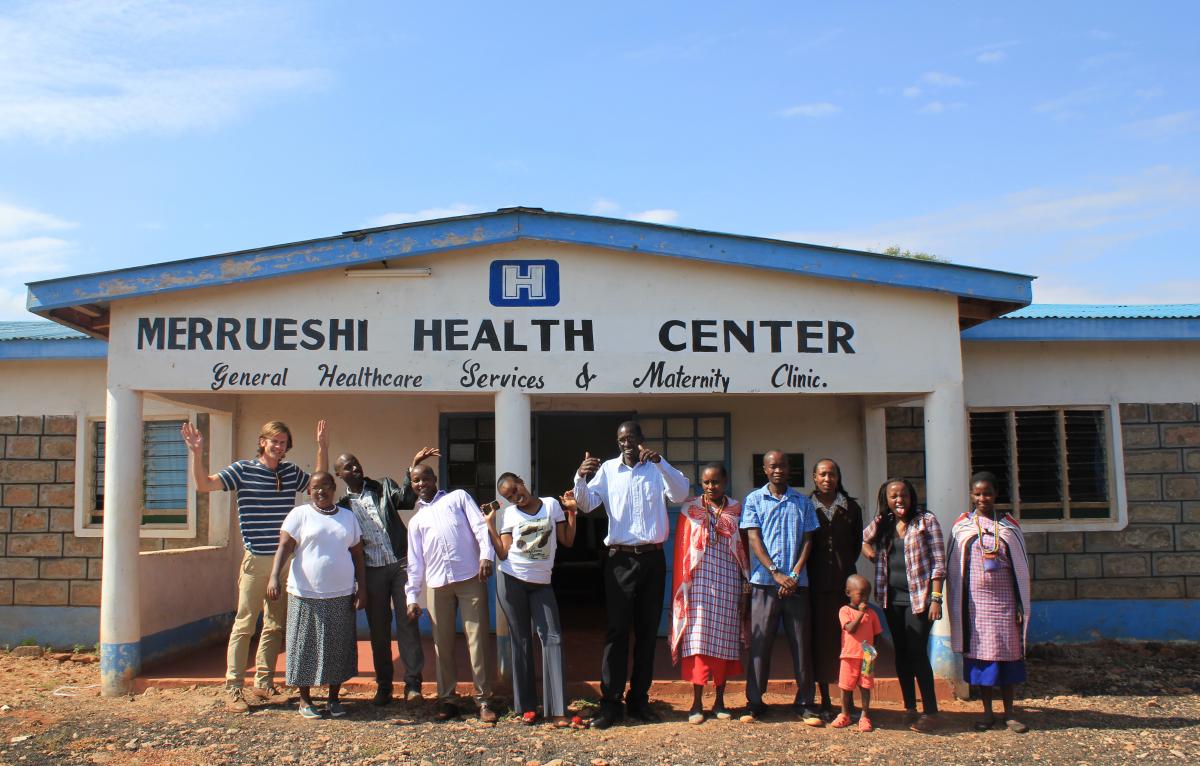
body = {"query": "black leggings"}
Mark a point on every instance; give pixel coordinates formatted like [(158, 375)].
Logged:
[(910, 636)]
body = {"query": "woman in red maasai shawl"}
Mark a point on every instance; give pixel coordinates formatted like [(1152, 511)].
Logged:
[(711, 575), (989, 599)]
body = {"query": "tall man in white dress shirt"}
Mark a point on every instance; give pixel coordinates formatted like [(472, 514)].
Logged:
[(450, 550), (632, 488)]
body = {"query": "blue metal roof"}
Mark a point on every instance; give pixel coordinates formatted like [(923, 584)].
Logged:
[(73, 300), (47, 340), (1093, 322), (1103, 311), (37, 331)]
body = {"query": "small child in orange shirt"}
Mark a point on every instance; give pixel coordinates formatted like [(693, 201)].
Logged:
[(860, 626)]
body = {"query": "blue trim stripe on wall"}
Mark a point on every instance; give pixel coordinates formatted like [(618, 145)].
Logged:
[(1112, 329), (82, 348)]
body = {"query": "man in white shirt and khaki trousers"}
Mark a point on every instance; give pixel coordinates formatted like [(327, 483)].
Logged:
[(450, 550), (632, 488)]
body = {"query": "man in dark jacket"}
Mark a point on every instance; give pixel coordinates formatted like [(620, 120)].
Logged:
[(376, 504)]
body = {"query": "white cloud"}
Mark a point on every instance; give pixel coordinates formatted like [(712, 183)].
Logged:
[(656, 215), (991, 57), (68, 70), (819, 109), (428, 214), (1069, 105), (611, 209), (912, 91), (942, 80), (939, 107), (605, 207), (15, 221), (29, 251), (1164, 126), (1035, 228)]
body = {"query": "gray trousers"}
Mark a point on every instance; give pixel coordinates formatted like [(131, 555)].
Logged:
[(527, 603), (385, 596), (767, 611)]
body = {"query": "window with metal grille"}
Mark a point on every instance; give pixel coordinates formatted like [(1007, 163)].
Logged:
[(164, 474), (470, 454), (1050, 464), (689, 441)]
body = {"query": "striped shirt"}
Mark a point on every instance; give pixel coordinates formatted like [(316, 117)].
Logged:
[(264, 499), (924, 559)]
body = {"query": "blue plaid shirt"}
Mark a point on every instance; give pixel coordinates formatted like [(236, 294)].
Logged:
[(782, 523)]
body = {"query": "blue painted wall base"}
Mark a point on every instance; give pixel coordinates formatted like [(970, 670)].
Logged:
[(119, 665), (1073, 622), (182, 638)]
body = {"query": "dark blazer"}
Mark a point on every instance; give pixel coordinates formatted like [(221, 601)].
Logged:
[(836, 546), (390, 498)]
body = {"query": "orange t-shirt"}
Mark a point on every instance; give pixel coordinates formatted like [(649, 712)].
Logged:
[(866, 631)]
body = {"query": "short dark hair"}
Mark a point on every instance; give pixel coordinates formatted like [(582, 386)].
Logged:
[(987, 476), (507, 476), (716, 466), (632, 425)]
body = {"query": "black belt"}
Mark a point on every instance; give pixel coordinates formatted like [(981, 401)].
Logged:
[(635, 549)]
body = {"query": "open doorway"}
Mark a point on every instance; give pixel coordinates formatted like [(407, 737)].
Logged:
[(560, 440)]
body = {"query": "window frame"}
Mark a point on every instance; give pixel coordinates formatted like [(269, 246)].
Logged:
[(85, 485), (1118, 511)]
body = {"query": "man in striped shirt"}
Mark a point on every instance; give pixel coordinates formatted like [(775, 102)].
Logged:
[(266, 492)]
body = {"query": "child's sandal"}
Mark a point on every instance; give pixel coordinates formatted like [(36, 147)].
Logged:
[(841, 722), (1016, 726)]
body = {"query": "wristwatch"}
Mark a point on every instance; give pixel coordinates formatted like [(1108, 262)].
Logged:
[(774, 570)]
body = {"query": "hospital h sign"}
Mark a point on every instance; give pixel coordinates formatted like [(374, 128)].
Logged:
[(524, 283)]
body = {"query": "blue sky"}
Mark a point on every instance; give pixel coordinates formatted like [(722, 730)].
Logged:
[(1056, 139)]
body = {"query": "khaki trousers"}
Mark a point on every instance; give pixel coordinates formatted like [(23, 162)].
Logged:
[(470, 597), (253, 579)]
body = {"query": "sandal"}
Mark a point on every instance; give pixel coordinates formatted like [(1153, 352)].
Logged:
[(561, 722), (841, 722), (529, 717), (696, 718), (864, 724), (722, 714), (1016, 726), (986, 724), (924, 724)]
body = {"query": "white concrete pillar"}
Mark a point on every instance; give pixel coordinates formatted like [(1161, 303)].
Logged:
[(513, 453), (875, 471), (120, 618), (947, 469)]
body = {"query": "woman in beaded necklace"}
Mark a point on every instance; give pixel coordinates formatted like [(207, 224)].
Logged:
[(988, 598), (708, 634)]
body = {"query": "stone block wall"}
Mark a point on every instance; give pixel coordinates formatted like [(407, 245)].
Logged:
[(42, 562), (1157, 555)]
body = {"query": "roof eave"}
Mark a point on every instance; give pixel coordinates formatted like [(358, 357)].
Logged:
[(82, 301)]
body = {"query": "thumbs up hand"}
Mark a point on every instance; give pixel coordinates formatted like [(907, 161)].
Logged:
[(589, 466)]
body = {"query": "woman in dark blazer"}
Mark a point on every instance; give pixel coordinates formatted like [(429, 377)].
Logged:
[(835, 549)]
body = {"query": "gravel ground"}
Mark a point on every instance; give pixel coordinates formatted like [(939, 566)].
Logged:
[(1100, 703)]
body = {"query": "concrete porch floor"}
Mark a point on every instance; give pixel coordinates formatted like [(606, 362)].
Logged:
[(206, 667)]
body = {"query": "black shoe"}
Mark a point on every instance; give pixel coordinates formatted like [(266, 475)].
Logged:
[(759, 712), (382, 697), (445, 712), (644, 714), (606, 719)]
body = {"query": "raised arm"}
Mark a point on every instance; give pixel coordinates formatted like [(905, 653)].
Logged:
[(590, 484), (500, 542), (566, 529), (322, 447), (205, 482)]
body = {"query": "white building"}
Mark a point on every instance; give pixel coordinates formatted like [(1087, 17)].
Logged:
[(516, 340)]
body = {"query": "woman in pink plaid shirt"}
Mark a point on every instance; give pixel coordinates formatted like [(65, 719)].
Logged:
[(906, 544)]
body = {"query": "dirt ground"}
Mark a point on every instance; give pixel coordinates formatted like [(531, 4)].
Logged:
[(1095, 704)]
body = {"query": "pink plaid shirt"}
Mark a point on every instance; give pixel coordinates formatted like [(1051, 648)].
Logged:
[(924, 559)]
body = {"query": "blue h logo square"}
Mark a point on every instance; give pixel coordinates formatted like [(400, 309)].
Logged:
[(524, 283)]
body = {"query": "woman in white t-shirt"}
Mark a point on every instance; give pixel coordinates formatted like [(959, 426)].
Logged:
[(525, 545), (327, 582)]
